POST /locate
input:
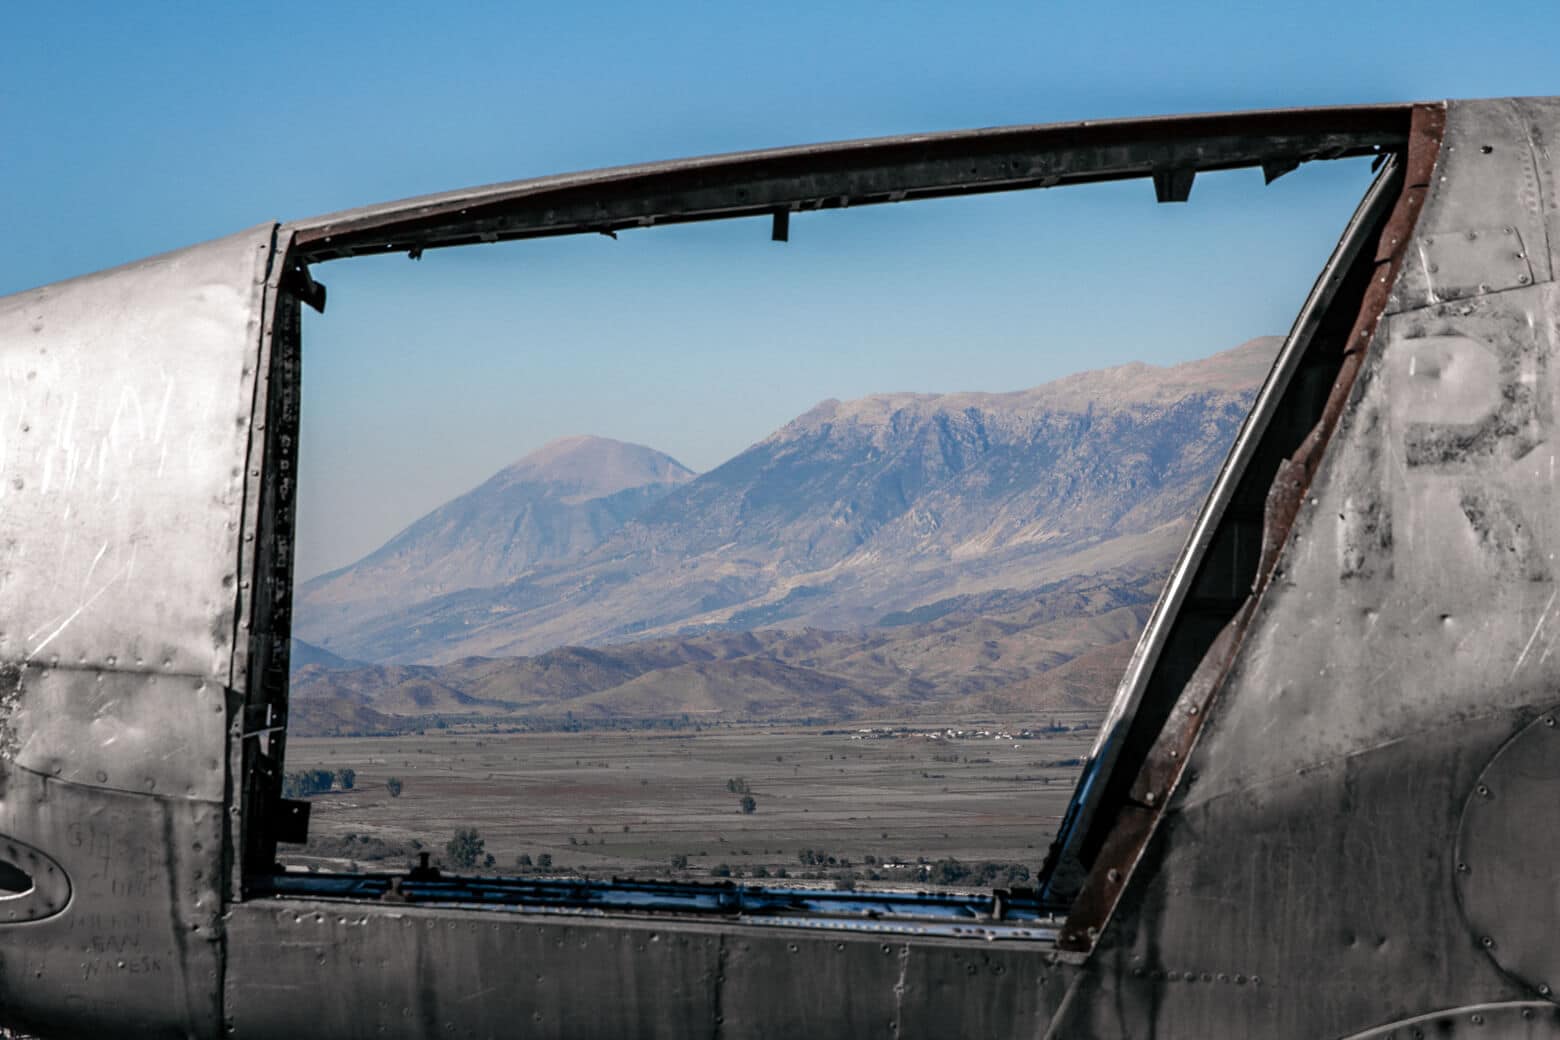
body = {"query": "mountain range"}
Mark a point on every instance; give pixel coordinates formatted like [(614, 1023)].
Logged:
[(877, 526)]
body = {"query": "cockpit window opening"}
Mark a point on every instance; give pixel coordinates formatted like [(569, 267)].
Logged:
[(614, 762)]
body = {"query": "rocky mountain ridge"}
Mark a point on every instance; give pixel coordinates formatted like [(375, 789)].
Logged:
[(852, 512)]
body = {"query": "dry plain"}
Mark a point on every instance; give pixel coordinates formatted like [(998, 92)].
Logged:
[(631, 803)]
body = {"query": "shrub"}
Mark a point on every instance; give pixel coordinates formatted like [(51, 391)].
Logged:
[(393, 785), (465, 848), (748, 804), (345, 778)]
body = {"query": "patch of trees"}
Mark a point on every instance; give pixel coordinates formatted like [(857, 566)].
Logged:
[(738, 785), (466, 849), (544, 861), (983, 874), (302, 783), (306, 782), (748, 804)]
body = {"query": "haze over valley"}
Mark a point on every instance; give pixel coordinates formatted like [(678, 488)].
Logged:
[(891, 555)]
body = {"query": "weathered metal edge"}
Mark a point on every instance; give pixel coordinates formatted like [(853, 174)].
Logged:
[(468, 215), (1184, 574), (1162, 771)]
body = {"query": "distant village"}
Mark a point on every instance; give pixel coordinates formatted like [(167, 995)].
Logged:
[(906, 733)]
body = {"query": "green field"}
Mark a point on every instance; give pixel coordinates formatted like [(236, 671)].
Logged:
[(608, 803)]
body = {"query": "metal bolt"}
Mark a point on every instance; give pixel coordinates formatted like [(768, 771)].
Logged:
[(1149, 798), (1113, 875), (1543, 990), (1486, 941), (1484, 790), (1478, 1020), (1462, 868)]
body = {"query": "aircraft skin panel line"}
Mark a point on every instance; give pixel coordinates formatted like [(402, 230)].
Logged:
[(1325, 805)]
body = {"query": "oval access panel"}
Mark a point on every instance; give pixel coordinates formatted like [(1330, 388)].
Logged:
[(1507, 849)]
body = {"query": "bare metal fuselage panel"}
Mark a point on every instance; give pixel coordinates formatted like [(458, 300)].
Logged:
[(1324, 805)]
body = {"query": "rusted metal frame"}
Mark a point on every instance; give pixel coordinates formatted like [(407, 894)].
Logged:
[(250, 580), (1065, 856), (854, 173), (265, 743), (1161, 774)]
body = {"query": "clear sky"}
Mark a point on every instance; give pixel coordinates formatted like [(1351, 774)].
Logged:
[(133, 129)]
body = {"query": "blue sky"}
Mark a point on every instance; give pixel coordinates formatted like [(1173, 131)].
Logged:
[(132, 129)]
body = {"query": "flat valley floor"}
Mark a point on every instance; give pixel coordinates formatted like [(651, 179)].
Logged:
[(658, 803)]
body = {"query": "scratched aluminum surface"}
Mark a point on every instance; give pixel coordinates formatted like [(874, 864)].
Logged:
[(1303, 882), (412, 972), (125, 403)]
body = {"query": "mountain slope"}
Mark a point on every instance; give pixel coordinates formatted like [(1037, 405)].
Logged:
[(857, 510), (554, 505)]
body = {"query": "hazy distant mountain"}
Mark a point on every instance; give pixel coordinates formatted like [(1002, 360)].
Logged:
[(305, 654), (884, 506), (554, 505)]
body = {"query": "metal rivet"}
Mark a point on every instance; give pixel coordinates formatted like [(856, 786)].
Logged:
[(1522, 280), (1484, 790), (1486, 941), (1113, 875)]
